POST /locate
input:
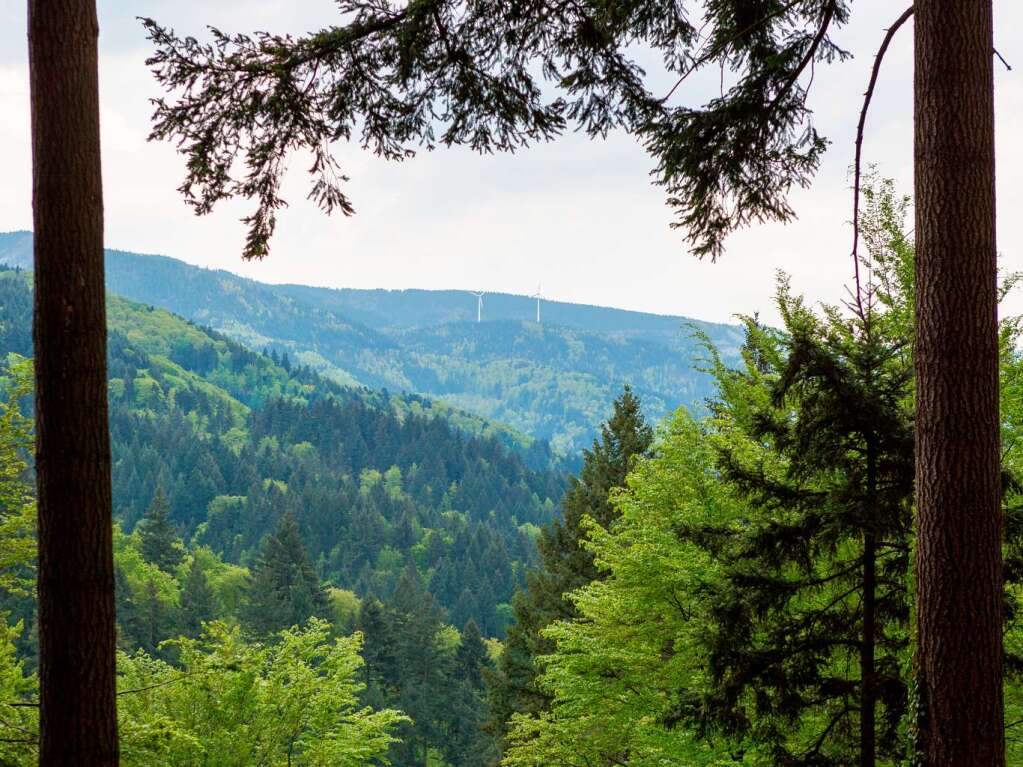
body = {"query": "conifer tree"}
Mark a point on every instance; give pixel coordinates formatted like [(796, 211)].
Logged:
[(160, 544), (810, 618), (379, 672), (155, 621), (466, 744), (422, 669), (284, 590), (566, 564), (198, 602)]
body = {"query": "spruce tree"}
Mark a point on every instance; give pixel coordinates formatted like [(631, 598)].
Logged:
[(380, 675), (422, 669), (160, 545), (284, 590), (466, 744), (198, 602), (565, 564), (811, 618)]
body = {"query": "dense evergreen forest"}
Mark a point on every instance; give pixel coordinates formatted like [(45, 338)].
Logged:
[(253, 491), (320, 575), (236, 440)]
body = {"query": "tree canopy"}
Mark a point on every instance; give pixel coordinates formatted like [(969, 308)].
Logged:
[(393, 77)]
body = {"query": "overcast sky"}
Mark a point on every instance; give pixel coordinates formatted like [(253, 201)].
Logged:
[(579, 216)]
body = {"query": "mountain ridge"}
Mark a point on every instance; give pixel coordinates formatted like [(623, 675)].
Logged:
[(553, 380)]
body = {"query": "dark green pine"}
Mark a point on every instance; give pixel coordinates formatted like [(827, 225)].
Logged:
[(198, 602), (160, 544), (422, 669), (284, 589), (466, 744)]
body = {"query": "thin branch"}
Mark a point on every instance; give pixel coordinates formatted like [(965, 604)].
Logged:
[(1001, 58), (165, 682), (811, 52), (858, 163), (720, 47)]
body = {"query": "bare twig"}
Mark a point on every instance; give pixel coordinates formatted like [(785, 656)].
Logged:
[(713, 53), (858, 163), (808, 57), (1001, 58)]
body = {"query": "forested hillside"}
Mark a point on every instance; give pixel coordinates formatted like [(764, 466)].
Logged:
[(252, 496), (555, 380), (237, 440)]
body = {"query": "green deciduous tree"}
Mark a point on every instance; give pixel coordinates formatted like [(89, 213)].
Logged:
[(236, 704), (566, 564)]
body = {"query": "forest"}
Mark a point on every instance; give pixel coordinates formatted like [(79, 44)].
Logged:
[(551, 381), (368, 581), (272, 526)]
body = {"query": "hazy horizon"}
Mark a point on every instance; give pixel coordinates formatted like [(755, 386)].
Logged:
[(570, 215)]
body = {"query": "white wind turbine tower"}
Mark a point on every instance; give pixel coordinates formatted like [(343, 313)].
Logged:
[(538, 295), (479, 304)]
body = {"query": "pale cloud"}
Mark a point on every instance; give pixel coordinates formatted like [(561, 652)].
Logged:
[(580, 216)]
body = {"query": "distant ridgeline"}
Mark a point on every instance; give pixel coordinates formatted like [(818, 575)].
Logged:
[(236, 439), (554, 381)]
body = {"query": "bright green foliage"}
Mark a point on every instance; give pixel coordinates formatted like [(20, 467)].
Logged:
[(17, 501), (237, 704), (616, 672), (19, 718), (18, 723), (566, 564), (160, 544), (731, 625), (285, 590), (147, 597)]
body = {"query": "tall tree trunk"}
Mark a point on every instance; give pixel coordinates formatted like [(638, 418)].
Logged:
[(78, 722), (959, 571)]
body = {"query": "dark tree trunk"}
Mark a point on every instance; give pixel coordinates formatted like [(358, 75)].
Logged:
[(959, 573), (78, 722)]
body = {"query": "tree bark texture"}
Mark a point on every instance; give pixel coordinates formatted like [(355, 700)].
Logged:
[(959, 561), (78, 722)]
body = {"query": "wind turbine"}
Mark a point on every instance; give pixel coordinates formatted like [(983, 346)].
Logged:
[(538, 295), (479, 304)]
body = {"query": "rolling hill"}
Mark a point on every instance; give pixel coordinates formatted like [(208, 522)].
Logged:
[(554, 380), (376, 482)]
